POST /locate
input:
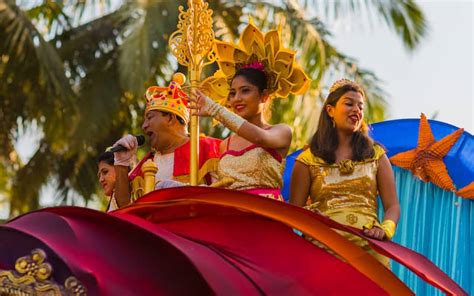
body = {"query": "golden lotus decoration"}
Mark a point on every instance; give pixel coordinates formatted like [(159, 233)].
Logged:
[(284, 75), (192, 45)]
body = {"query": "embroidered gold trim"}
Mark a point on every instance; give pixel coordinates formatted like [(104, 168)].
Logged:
[(32, 277)]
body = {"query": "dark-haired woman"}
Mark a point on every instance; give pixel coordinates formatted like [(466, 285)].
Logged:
[(343, 170), (106, 175), (251, 159)]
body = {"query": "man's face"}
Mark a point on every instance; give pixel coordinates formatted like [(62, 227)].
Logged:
[(156, 125)]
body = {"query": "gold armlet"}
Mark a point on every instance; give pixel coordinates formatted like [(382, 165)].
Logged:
[(228, 119)]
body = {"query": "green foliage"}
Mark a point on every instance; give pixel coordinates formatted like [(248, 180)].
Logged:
[(82, 80)]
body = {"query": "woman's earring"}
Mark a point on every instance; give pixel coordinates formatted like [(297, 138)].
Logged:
[(333, 123)]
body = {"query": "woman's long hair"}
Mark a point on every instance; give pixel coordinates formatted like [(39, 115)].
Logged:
[(325, 141)]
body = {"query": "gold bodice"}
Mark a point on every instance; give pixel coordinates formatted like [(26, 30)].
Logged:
[(252, 167), (346, 191)]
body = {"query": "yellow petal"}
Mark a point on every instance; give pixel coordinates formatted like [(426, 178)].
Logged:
[(240, 56), (270, 54), (284, 88), (221, 87), (228, 68), (300, 81), (224, 50), (250, 35), (286, 55), (258, 49), (216, 88), (273, 38), (283, 68)]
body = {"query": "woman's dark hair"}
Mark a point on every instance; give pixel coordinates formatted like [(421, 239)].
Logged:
[(107, 157), (325, 141), (254, 76)]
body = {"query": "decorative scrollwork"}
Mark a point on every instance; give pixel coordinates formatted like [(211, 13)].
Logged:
[(31, 277), (192, 42), (34, 265)]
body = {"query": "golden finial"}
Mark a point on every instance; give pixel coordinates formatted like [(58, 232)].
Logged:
[(149, 170), (179, 78), (192, 45)]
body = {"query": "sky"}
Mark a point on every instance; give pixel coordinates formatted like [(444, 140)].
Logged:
[(437, 78)]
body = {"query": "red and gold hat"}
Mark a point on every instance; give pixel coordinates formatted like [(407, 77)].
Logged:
[(169, 99)]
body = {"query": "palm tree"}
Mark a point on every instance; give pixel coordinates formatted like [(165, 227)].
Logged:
[(81, 80)]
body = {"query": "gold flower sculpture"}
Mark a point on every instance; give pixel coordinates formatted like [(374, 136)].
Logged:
[(426, 160), (265, 50)]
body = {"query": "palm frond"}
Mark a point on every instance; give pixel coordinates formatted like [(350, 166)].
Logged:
[(83, 45), (404, 17), (344, 66), (28, 182), (227, 18), (37, 87), (321, 61), (144, 52), (50, 16), (120, 33)]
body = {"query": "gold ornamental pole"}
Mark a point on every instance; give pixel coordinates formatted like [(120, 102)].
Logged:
[(192, 45)]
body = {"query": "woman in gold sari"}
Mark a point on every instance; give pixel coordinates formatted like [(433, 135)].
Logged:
[(343, 170)]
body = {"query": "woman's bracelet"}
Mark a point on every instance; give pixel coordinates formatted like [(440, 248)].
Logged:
[(230, 120)]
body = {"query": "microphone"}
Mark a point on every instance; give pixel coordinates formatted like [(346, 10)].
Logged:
[(120, 148)]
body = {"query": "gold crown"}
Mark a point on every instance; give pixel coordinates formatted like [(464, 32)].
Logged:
[(343, 82), (169, 99), (254, 49)]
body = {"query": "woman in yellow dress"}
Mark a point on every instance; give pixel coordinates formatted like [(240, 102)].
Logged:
[(343, 170)]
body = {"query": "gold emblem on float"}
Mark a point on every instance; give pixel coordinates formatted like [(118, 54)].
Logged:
[(32, 277)]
